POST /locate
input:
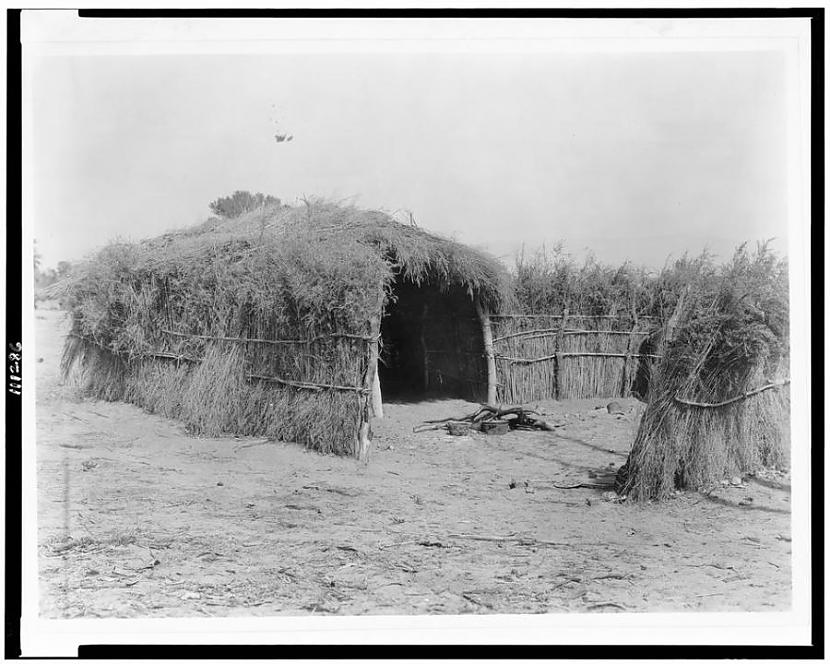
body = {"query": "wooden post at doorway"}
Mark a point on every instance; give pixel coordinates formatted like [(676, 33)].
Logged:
[(424, 348), (377, 401), (374, 333), (487, 335), (371, 403)]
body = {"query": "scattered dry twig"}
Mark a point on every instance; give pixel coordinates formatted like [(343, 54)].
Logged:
[(404, 543), (602, 604), (525, 541), (472, 599), (619, 577), (253, 444)]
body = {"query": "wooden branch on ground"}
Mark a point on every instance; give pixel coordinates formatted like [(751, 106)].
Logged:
[(603, 604), (487, 413), (582, 485), (470, 598), (434, 540), (524, 541), (463, 418), (492, 412), (435, 427)]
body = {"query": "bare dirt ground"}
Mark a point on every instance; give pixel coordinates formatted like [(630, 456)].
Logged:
[(138, 519)]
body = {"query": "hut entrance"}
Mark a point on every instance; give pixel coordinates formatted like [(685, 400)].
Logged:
[(431, 345)]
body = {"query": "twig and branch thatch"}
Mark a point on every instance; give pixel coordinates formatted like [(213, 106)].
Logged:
[(718, 406), (213, 325)]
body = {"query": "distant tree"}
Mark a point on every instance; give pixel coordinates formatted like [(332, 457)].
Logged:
[(240, 202), (44, 278), (48, 276), (64, 268)]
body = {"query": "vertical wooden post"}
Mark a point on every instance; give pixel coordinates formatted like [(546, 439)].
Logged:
[(557, 350), (364, 441), (377, 401), (374, 333), (487, 335), (424, 348), (370, 403), (656, 365), (364, 436), (671, 324), (624, 388)]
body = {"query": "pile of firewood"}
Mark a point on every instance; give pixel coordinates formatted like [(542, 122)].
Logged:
[(489, 418)]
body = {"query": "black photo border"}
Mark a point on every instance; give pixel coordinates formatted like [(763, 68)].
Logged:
[(13, 304)]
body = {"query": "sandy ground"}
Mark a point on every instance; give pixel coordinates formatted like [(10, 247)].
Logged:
[(138, 519)]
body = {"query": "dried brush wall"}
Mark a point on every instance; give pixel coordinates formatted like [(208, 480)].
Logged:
[(265, 324), (570, 356)]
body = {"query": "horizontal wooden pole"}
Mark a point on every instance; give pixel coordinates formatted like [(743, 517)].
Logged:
[(160, 355), (552, 332), (271, 341), (740, 397), (546, 358), (316, 387), (271, 379), (90, 340), (656, 357), (626, 317), (172, 356), (549, 331)]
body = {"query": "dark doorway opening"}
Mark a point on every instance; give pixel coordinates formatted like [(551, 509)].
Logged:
[(645, 366), (431, 345)]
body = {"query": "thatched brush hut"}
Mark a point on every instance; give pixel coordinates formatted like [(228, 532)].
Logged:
[(718, 402), (284, 322)]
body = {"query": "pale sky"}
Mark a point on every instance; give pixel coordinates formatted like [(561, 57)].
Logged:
[(633, 156)]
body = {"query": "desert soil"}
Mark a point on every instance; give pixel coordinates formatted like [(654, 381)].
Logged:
[(136, 518)]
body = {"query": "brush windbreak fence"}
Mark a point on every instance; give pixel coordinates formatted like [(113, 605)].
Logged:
[(572, 355)]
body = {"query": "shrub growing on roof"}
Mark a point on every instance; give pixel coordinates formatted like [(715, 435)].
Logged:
[(241, 202)]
